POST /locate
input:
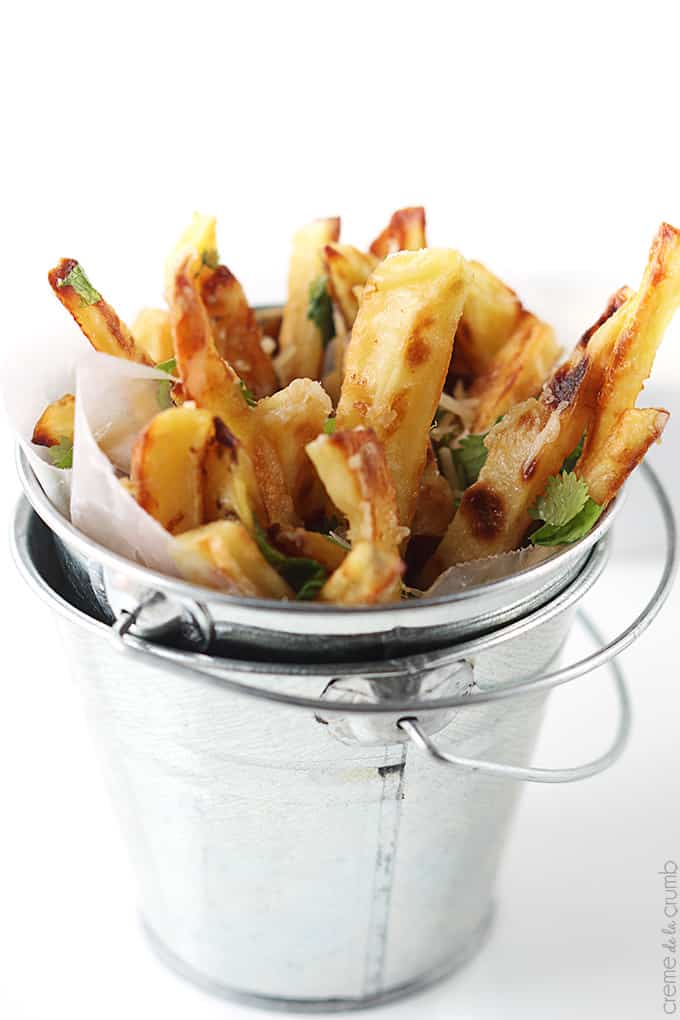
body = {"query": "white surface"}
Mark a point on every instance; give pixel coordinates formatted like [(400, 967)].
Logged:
[(538, 138)]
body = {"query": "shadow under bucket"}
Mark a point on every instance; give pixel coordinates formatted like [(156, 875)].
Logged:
[(319, 835)]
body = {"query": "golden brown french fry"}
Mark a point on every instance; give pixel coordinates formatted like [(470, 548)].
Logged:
[(98, 321), (517, 371), (636, 346), (166, 467), (347, 269), (628, 442), (290, 419), (153, 334), (237, 335), (491, 314), (524, 449), (368, 575), (223, 555), (300, 342), (352, 466), (198, 243), (214, 385), (56, 422), (398, 356), (207, 379), (404, 232), (229, 482)]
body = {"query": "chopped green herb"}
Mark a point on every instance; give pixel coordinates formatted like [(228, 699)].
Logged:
[(169, 366), (329, 426), (77, 279), (310, 589), (305, 575), (164, 395), (320, 309), (576, 528), (570, 462), (565, 495), (566, 509), (61, 455), (210, 258), (248, 395), (469, 458)]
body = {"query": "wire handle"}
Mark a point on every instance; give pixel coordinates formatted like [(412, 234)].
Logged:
[(416, 734)]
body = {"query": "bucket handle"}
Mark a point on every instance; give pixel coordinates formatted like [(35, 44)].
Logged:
[(412, 728)]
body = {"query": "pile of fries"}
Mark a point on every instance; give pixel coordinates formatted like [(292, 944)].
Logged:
[(402, 414)]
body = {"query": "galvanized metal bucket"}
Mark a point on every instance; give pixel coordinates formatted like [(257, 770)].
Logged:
[(296, 838)]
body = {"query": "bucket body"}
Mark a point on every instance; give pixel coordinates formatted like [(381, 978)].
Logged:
[(279, 857), (297, 858)]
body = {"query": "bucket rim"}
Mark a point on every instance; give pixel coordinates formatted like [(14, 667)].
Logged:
[(188, 592), (571, 594)]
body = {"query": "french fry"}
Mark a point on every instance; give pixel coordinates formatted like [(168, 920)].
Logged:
[(166, 469), (524, 449), (97, 319), (398, 356), (198, 243), (352, 466), (229, 482), (300, 342), (637, 344), (223, 555), (290, 419), (368, 575), (628, 442), (55, 424), (347, 269), (214, 385), (491, 314), (237, 335), (517, 371), (404, 232), (153, 334)]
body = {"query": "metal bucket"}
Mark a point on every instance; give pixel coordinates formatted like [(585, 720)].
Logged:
[(296, 838)]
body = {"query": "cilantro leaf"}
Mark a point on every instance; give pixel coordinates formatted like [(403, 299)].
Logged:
[(210, 258), (164, 395), (61, 455), (570, 462), (469, 458), (566, 509), (310, 589), (305, 575), (574, 529), (169, 366), (320, 309), (564, 497), (77, 279), (248, 394), (329, 426)]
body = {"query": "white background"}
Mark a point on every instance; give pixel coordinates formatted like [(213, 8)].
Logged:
[(543, 139)]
